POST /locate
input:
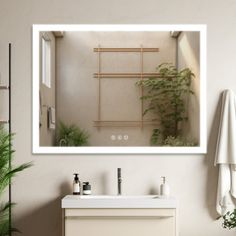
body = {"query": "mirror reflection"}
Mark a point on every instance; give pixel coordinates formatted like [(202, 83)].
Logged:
[(119, 88)]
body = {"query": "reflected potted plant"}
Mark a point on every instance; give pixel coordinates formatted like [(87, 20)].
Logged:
[(166, 97), (71, 135)]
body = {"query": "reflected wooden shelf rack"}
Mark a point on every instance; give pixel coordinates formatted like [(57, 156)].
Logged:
[(126, 75), (141, 49), (124, 123), (141, 75)]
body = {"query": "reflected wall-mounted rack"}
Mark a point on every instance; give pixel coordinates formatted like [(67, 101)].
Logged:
[(124, 123), (141, 75), (126, 75), (141, 49)]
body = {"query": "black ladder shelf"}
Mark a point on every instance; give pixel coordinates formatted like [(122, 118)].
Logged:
[(8, 122)]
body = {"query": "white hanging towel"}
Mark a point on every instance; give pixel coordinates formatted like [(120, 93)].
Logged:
[(51, 118), (225, 155)]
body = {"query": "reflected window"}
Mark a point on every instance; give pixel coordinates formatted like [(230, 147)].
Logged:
[(46, 61)]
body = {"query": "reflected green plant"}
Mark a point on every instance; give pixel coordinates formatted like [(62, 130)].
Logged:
[(166, 97), (71, 135)]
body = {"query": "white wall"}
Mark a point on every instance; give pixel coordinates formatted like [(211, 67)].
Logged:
[(192, 177)]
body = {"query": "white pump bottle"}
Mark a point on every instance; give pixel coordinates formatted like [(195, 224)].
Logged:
[(164, 188)]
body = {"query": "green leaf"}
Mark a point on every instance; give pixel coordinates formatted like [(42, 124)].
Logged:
[(6, 174)]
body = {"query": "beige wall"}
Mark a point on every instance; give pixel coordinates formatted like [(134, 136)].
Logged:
[(4, 81), (192, 177), (77, 90), (189, 57)]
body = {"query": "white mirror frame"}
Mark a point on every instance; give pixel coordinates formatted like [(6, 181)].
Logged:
[(119, 150)]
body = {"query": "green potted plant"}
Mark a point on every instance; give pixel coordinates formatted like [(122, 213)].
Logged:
[(166, 99), (71, 135), (229, 220), (6, 174)]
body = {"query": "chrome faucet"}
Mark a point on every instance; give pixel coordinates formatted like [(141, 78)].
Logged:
[(119, 181)]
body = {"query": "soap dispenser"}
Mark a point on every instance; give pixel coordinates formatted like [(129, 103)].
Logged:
[(76, 185), (164, 188)]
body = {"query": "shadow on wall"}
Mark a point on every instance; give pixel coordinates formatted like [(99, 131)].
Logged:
[(212, 171), (45, 220), (105, 178), (153, 191)]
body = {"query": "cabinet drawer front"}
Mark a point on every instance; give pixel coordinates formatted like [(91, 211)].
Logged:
[(119, 212), (110, 226)]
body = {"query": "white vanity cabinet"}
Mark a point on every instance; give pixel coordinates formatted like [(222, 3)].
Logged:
[(119, 216)]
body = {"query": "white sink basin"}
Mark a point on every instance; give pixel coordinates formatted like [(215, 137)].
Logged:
[(116, 201), (119, 197)]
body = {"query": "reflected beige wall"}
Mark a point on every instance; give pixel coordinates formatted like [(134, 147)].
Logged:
[(47, 97), (189, 57), (77, 90)]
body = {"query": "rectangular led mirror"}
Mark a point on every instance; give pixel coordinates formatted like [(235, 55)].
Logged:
[(134, 89)]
